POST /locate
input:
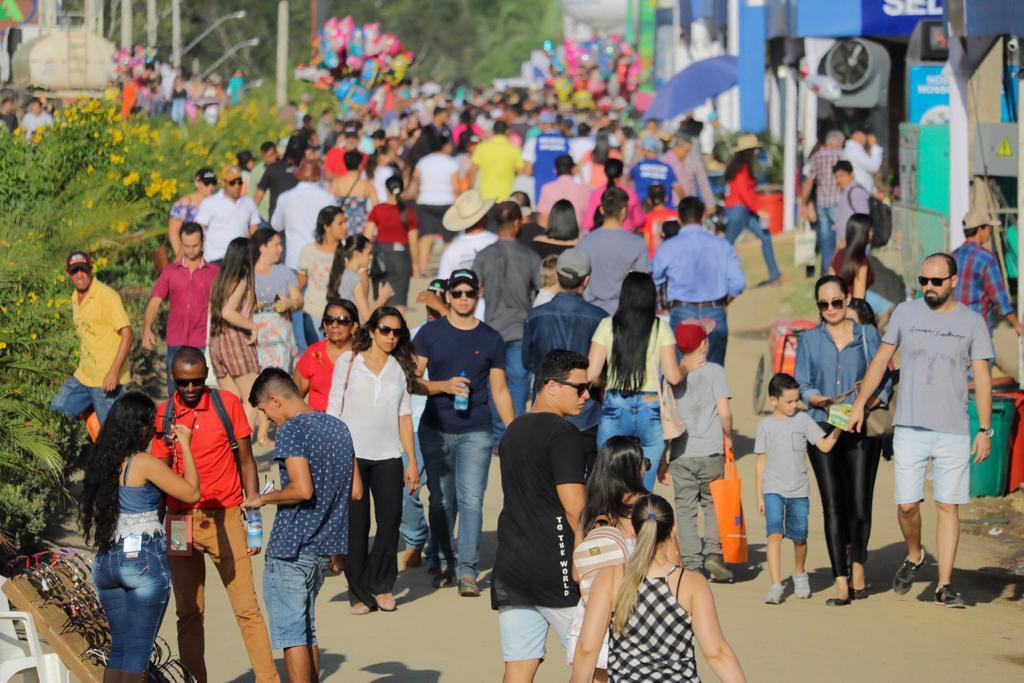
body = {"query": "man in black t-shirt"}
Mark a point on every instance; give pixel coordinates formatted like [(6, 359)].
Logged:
[(279, 175), (542, 471)]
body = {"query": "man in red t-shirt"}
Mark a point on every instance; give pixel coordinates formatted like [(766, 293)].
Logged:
[(218, 524)]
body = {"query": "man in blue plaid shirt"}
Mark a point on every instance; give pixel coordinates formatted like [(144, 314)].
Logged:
[(981, 286)]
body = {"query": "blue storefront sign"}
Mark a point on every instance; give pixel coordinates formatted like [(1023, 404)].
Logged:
[(896, 17), (929, 95)]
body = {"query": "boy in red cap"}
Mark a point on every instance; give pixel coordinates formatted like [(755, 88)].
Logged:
[(697, 458)]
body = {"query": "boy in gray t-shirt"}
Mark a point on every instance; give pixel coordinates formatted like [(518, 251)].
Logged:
[(697, 457), (782, 491)]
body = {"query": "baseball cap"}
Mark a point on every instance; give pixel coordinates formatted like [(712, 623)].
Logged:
[(463, 276), (206, 176), (690, 333), (977, 217), (78, 260), (651, 144), (351, 130), (547, 117), (573, 264), (438, 285), (230, 172)]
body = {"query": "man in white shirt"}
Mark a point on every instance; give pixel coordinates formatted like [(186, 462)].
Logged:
[(865, 154), (36, 117), (468, 215), (297, 210), (227, 215)]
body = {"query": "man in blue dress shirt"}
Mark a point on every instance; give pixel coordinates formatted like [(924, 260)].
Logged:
[(703, 274)]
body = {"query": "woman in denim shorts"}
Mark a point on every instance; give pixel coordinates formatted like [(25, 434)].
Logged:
[(124, 490)]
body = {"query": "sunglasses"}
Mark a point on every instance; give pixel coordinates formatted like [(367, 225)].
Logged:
[(189, 382), (581, 388), (331, 320), (389, 331), (648, 464), (459, 293), (836, 304), (236, 181), (209, 182), (935, 281)]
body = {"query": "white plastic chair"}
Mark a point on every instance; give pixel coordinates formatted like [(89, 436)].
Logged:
[(37, 665)]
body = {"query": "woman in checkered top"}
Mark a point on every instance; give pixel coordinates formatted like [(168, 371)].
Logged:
[(655, 609)]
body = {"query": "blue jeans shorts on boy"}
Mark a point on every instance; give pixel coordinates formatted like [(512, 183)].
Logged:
[(786, 516), (290, 588)]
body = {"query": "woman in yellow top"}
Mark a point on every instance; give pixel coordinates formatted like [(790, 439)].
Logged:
[(638, 349)]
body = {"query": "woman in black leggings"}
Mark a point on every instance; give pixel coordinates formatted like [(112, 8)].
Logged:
[(830, 360)]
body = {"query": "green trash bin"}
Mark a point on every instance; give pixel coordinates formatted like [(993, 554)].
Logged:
[(988, 478)]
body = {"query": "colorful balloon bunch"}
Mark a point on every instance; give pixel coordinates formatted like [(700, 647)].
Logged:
[(582, 71), (352, 60)]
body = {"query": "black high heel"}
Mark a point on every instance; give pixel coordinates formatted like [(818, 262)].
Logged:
[(836, 602), (859, 593)]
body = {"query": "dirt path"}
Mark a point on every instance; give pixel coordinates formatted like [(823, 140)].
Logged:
[(437, 636)]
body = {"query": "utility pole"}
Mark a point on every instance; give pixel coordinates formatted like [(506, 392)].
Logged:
[(151, 22), (126, 24), (176, 33), (281, 92)]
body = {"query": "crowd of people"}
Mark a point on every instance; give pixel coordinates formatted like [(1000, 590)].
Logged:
[(563, 339)]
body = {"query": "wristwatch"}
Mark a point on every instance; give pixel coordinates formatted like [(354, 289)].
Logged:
[(987, 431)]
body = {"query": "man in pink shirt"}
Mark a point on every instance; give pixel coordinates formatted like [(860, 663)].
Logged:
[(563, 187), (186, 284)]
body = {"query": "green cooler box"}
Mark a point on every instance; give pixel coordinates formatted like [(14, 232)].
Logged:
[(988, 478)]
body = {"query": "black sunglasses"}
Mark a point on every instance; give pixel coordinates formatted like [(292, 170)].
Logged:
[(188, 382), (459, 293), (648, 464), (581, 388), (936, 281), (236, 181), (389, 331), (836, 304), (332, 320)]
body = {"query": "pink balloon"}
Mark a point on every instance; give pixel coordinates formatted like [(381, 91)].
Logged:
[(392, 45), (354, 63), (346, 25)]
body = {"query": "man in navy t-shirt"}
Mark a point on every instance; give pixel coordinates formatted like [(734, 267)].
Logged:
[(468, 358), (542, 151), (650, 171)]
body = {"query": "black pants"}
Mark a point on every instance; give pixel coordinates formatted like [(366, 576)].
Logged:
[(372, 571), (846, 480)]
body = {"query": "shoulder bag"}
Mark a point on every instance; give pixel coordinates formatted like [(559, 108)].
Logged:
[(880, 420)]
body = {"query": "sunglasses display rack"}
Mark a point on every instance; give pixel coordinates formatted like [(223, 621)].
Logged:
[(55, 587)]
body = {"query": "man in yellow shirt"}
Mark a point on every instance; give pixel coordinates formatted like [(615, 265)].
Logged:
[(496, 161), (106, 339)]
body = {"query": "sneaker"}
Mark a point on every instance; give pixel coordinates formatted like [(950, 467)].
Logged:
[(714, 565), (947, 597), (906, 574), (468, 588), (443, 579), (802, 586), (774, 596)]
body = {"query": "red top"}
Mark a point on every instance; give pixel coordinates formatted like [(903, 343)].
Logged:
[(220, 484), (317, 367), (742, 190), (837, 263), (334, 161), (189, 295), (389, 223)]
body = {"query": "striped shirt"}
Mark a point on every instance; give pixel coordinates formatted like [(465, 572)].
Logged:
[(980, 285)]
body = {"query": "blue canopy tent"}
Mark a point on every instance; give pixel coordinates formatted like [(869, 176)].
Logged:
[(693, 86)]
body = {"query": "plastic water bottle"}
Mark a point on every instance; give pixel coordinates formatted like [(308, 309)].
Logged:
[(461, 403), (254, 528)]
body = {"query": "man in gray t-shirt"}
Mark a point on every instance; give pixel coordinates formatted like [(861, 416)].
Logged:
[(940, 340), (613, 252)]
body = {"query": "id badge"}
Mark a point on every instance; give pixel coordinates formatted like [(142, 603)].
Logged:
[(132, 546), (399, 246), (179, 534)]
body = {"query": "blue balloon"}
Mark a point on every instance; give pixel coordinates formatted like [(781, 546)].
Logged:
[(342, 88), (359, 96), (331, 60)]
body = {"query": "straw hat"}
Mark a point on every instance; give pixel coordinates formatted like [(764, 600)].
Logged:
[(466, 212), (745, 142)]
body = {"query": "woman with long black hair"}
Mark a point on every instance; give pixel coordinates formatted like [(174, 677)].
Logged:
[(562, 233), (851, 262), (614, 170), (741, 209), (350, 275), (392, 227), (370, 392), (831, 360), (638, 349), (120, 508)]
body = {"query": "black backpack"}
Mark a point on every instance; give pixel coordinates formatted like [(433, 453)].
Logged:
[(881, 219), (222, 413)]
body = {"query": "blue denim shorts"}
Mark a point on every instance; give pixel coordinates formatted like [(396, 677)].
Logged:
[(786, 516), (524, 630), (290, 588)]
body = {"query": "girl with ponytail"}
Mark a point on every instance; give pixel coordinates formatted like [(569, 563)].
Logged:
[(655, 609), (392, 227), (635, 217), (350, 275)]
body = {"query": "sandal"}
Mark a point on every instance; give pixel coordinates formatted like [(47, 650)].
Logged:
[(386, 602), (359, 609)]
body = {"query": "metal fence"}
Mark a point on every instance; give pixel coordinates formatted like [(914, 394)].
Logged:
[(916, 233)]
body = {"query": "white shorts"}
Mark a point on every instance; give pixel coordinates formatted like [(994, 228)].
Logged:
[(950, 455), (524, 630)]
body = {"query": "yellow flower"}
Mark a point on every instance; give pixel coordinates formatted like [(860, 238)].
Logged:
[(116, 159), (33, 336), (3, 345), (61, 278), (131, 179), (120, 226), (88, 203), (89, 169), (102, 260)]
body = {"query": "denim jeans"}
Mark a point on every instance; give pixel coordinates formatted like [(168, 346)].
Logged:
[(718, 340), (305, 330), (457, 468), (290, 588), (414, 529), (637, 415), (74, 398), (134, 592), (171, 350), (741, 218), (518, 378), (826, 227)]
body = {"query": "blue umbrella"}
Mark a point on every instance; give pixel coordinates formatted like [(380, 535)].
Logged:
[(692, 86)]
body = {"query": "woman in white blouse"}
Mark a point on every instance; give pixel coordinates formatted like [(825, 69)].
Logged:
[(370, 392)]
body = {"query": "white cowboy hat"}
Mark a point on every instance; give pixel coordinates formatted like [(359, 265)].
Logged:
[(466, 212), (745, 142)]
